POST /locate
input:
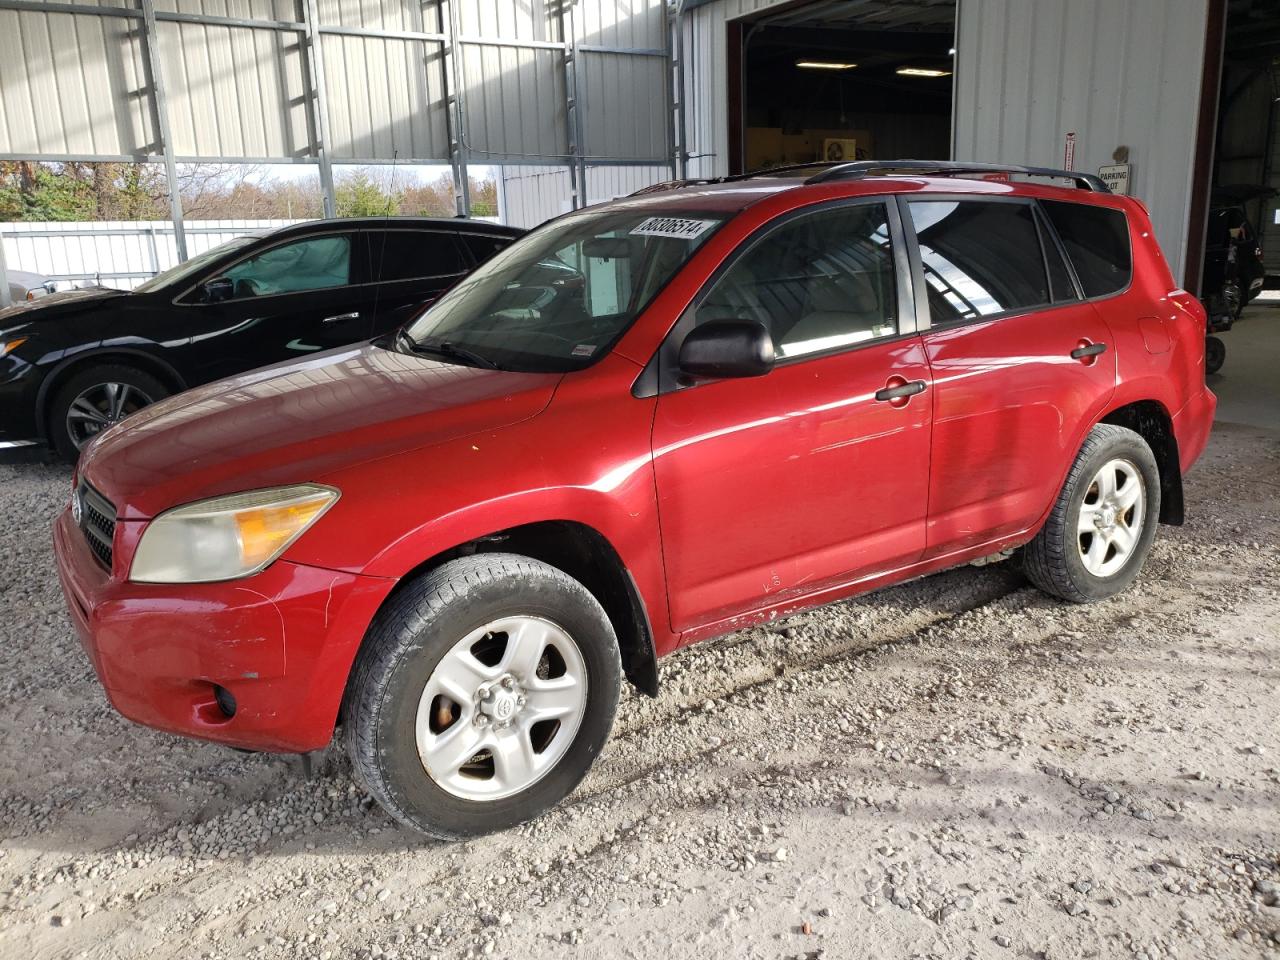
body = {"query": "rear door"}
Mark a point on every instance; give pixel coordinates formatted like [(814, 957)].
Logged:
[(411, 268), (776, 487), (1021, 364)]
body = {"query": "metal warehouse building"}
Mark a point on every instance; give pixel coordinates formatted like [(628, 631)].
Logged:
[(576, 102)]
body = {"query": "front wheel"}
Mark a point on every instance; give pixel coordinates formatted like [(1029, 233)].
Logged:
[(96, 399), (482, 695), (1102, 525)]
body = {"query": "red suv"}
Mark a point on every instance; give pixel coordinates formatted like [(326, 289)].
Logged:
[(648, 422)]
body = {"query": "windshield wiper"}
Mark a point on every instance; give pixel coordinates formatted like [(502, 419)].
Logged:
[(443, 348)]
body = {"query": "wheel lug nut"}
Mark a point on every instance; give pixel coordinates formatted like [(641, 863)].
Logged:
[(521, 700), (507, 683)]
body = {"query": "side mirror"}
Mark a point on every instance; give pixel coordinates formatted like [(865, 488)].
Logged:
[(219, 289), (727, 348)]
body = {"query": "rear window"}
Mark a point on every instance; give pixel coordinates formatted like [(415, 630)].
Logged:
[(1097, 241), (413, 254), (980, 258), (483, 245)]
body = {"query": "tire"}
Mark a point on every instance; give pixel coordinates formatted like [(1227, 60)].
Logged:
[(137, 388), (414, 645), (1234, 296), (1057, 561), (1215, 354)]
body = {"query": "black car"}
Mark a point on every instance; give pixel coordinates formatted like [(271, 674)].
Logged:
[(1233, 269), (72, 364)]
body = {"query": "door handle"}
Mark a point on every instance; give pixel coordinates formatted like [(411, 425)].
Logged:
[(1088, 350), (898, 391), (339, 317)]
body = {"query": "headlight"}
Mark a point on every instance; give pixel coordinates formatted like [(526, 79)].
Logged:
[(227, 537)]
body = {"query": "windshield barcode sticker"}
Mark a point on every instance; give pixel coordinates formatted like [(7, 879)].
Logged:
[(677, 227)]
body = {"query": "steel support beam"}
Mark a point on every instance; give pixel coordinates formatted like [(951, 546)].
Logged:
[(151, 41), (319, 105), (574, 126), (5, 297), (455, 111), (675, 91)]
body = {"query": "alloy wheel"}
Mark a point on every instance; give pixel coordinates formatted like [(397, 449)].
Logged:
[(501, 708), (101, 406), (1111, 517)]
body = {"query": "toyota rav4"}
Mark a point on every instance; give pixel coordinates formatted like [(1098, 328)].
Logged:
[(648, 422)]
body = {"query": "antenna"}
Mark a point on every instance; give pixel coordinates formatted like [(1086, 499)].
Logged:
[(382, 251)]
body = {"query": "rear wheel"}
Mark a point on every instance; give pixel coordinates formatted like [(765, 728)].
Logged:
[(1215, 354), (96, 399), (482, 695), (1102, 525)]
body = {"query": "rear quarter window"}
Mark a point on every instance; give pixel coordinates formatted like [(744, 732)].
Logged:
[(1097, 241), (484, 245)]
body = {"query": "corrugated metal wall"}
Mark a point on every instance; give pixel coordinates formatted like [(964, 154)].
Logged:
[(532, 195), (77, 83), (234, 91), (1115, 74), (71, 84)]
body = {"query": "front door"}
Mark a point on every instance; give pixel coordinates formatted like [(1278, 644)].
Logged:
[(288, 301), (814, 475)]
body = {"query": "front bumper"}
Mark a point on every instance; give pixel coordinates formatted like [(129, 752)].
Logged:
[(282, 642), (19, 393)]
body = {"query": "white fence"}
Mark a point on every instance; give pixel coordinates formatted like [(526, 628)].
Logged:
[(116, 253)]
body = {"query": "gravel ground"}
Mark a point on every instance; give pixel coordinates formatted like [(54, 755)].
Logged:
[(958, 767)]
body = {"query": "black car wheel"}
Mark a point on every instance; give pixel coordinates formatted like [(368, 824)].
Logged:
[(1215, 354), (95, 399)]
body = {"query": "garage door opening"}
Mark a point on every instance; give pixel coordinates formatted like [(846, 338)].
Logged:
[(1233, 246), (840, 80), (1242, 241)]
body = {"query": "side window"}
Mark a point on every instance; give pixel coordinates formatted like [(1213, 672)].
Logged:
[(311, 264), (980, 258), (413, 255), (484, 246), (1097, 241), (819, 282)]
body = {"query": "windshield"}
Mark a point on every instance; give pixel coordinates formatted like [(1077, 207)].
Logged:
[(557, 299), (190, 268)]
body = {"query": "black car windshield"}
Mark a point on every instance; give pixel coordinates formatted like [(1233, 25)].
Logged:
[(557, 299), (189, 268)]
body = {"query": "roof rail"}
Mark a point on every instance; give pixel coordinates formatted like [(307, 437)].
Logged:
[(951, 168), (731, 178)]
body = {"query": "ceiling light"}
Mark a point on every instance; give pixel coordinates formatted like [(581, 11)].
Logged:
[(824, 65), (922, 72)]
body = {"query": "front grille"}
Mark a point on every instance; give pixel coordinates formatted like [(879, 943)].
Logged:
[(97, 521)]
